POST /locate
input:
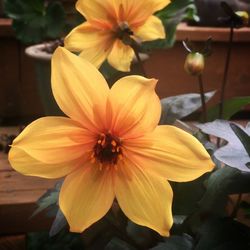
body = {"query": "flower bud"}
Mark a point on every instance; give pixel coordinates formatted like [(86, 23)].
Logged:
[(194, 63), (244, 17)]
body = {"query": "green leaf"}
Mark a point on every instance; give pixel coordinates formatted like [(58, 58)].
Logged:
[(58, 224), (176, 242), (177, 107), (50, 198), (144, 237), (243, 136), (231, 107), (35, 21), (63, 241), (20, 10), (187, 195), (26, 34), (220, 184), (223, 234), (55, 19), (117, 244)]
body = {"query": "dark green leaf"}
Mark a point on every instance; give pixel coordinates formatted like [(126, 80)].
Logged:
[(34, 20), (220, 184), (63, 241), (243, 136), (58, 224), (144, 237), (177, 107), (48, 199), (27, 34), (176, 242), (187, 195), (22, 9), (117, 244), (231, 107), (223, 234), (55, 19)]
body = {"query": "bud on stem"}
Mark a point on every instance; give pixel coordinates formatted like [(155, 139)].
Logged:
[(194, 64)]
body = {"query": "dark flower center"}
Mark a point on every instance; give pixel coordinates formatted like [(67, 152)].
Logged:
[(107, 149), (123, 33)]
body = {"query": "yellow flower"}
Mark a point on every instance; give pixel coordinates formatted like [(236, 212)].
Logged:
[(109, 147), (109, 24)]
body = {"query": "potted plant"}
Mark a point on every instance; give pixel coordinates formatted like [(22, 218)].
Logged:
[(42, 23)]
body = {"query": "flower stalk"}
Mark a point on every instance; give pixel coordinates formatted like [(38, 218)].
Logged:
[(135, 47), (225, 75), (203, 102)]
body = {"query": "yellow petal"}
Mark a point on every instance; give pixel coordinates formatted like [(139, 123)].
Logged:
[(86, 196), (121, 56), (159, 4), (74, 84), (55, 140), (171, 153), (25, 164), (96, 9), (152, 29), (133, 107), (94, 44), (145, 199)]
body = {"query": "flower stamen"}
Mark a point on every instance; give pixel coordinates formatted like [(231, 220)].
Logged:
[(107, 150)]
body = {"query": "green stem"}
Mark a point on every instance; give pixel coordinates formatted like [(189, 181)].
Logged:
[(139, 60), (203, 102), (225, 76)]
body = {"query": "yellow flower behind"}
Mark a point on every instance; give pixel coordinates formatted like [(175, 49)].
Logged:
[(108, 147), (110, 23)]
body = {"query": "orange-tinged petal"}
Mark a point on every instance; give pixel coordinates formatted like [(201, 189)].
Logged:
[(93, 44), (135, 13), (145, 199), (96, 9), (133, 108), (171, 153), (27, 165), (152, 29), (54, 140), (121, 56), (79, 89), (86, 196)]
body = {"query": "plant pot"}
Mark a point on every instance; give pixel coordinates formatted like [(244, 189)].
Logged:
[(42, 64)]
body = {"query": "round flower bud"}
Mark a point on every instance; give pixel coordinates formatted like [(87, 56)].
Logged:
[(244, 17), (194, 63)]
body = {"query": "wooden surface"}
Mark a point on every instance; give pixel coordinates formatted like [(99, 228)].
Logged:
[(18, 196), (14, 242)]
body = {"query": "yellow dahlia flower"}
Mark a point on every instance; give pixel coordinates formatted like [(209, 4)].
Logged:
[(108, 147), (110, 23)]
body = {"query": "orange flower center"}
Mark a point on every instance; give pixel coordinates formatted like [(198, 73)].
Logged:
[(107, 149)]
